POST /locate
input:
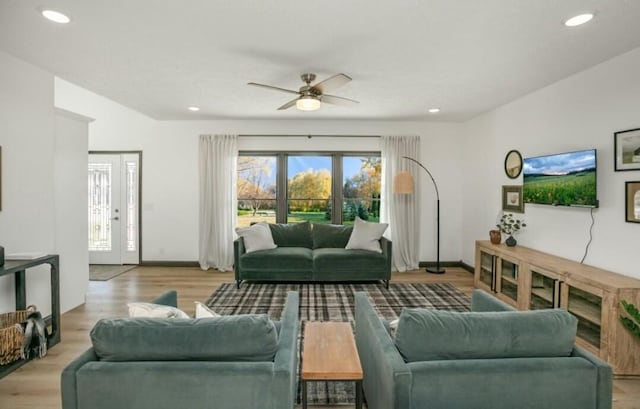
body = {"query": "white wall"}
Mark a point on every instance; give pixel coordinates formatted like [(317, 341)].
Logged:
[(71, 203), (44, 205), (170, 165), (27, 139), (580, 112)]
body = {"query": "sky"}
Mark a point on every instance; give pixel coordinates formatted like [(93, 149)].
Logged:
[(351, 165), (560, 164)]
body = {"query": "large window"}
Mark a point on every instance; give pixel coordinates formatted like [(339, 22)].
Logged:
[(295, 187), (256, 189)]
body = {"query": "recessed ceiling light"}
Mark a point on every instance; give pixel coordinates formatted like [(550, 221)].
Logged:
[(578, 20), (194, 108), (434, 110), (55, 16)]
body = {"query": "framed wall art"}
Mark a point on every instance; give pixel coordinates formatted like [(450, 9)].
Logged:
[(632, 202), (626, 148), (513, 164), (512, 199)]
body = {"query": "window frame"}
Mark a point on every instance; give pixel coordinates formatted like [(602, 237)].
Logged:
[(336, 177)]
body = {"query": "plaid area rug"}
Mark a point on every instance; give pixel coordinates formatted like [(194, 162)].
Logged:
[(333, 302)]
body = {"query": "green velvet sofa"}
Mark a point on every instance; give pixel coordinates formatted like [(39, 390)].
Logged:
[(313, 253), (229, 362), (492, 358)]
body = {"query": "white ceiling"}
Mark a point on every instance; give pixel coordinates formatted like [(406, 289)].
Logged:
[(405, 56)]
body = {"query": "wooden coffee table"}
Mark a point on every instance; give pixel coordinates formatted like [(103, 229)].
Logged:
[(330, 354)]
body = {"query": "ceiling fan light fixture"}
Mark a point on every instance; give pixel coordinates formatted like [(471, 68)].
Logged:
[(308, 103)]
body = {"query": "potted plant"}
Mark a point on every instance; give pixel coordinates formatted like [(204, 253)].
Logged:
[(509, 225)]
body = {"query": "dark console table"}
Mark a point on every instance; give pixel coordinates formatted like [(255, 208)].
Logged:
[(18, 269)]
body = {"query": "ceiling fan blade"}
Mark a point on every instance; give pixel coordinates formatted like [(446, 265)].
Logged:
[(290, 91), (332, 99), (288, 104), (332, 83)]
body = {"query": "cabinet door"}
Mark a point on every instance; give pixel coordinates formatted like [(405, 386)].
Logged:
[(585, 303), (485, 270), (544, 290), (508, 272)]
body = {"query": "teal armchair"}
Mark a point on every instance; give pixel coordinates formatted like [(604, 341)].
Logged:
[(230, 362), (507, 367)]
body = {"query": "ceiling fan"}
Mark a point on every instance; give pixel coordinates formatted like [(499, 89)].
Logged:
[(310, 96)]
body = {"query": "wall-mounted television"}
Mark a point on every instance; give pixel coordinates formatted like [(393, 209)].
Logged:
[(563, 179)]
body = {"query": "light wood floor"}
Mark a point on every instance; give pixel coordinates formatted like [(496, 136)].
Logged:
[(37, 384)]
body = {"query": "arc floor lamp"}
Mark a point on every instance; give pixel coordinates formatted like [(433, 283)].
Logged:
[(403, 184)]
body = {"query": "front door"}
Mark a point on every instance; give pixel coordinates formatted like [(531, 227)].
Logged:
[(113, 208)]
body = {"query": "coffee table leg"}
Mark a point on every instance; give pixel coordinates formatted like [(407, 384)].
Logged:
[(358, 394), (304, 394)]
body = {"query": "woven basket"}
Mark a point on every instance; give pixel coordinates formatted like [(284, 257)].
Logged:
[(11, 334)]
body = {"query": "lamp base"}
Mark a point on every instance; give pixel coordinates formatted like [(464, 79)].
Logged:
[(435, 270)]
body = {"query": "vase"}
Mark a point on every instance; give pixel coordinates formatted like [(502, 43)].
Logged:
[(495, 236), (510, 241)]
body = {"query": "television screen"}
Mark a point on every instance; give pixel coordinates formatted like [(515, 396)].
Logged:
[(565, 179)]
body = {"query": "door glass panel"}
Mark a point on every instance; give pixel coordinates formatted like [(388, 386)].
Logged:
[(132, 200), (100, 206), (361, 177), (587, 308), (509, 280), (309, 189), (486, 269), (542, 291), (256, 185)]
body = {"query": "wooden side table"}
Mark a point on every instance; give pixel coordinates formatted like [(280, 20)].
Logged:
[(330, 354)]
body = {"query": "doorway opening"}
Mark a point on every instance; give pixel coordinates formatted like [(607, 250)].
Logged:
[(114, 207)]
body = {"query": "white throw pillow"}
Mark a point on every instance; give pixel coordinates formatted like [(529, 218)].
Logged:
[(202, 311), (149, 310), (256, 237), (366, 236), (393, 327)]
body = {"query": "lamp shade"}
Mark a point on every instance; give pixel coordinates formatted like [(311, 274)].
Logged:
[(308, 103), (403, 183)]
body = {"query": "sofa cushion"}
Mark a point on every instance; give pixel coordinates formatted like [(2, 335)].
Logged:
[(151, 310), (348, 262), (226, 338), (256, 237), (366, 235), (292, 234), (330, 235), (425, 335), (280, 259)]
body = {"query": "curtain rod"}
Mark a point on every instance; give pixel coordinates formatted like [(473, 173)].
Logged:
[(311, 136)]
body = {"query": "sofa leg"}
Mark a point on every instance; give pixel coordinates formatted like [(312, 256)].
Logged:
[(386, 284), (238, 284)]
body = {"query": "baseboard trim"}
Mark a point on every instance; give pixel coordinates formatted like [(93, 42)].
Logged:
[(460, 264), (168, 263)]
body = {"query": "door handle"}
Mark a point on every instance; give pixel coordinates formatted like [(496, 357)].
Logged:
[(115, 218)]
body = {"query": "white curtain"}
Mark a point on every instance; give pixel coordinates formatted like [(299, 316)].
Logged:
[(218, 162), (401, 211)]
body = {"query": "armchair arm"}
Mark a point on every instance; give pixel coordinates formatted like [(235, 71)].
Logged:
[(605, 377), (387, 378), (69, 388), (286, 360), (238, 250), (168, 298)]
